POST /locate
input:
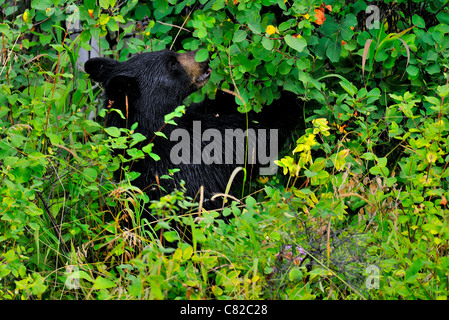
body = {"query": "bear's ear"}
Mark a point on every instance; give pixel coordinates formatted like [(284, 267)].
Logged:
[(120, 85), (100, 69)]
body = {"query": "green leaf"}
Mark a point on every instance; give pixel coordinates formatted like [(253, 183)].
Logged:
[(239, 36), (418, 21), (104, 18), (254, 21), (90, 173), (54, 138), (102, 283), (413, 70), (433, 68), (303, 63), (285, 68), (201, 55), (218, 4), (380, 171), (17, 140), (201, 33), (349, 87), (390, 181), (412, 272), (104, 4), (267, 43), (295, 275), (369, 156), (137, 137), (382, 162), (346, 31), (286, 25), (187, 253), (154, 156), (296, 43), (310, 174), (333, 51), (155, 282), (433, 100), (171, 236), (443, 17), (135, 153), (160, 134), (376, 170), (5, 30), (148, 148), (112, 25), (113, 131), (57, 47)]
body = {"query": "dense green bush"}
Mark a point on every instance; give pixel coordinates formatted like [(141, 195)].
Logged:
[(360, 213)]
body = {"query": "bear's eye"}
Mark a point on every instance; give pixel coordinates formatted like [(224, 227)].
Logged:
[(173, 64)]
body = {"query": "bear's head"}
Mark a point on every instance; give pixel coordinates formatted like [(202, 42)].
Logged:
[(149, 85)]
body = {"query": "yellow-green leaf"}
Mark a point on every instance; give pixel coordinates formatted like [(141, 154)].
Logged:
[(104, 18), (102, 283)]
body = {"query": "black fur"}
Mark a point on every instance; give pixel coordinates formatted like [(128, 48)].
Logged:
[(155, 84)]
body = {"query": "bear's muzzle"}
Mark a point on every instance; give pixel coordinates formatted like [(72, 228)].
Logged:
[(198, 72)]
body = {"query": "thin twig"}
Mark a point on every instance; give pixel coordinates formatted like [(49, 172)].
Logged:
[(180, 28), (173, 25), (10, 53)]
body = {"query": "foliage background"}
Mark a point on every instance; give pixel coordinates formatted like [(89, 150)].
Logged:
[(366, 182)]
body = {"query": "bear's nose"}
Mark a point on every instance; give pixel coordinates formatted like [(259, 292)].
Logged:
[(204, 77)]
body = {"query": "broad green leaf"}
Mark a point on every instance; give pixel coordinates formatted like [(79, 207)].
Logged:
[(104, 18), (148, 148), (443, 17), (201, 55), (382, 162), (239, 36), (333, 50), (412, 70), (171, 236), (310, 174), (218, 4), (295, 275), (433, 100), (418, 21), (113, 131), (369, 156), (154, 156), (102, 283), (187, 253), (345, 28), (254, 21), (376, 170), (267, 43), (90, 173), (349, 88), (5, 30), (297, 43)]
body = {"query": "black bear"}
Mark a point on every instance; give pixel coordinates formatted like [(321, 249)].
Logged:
[(205, 146)]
